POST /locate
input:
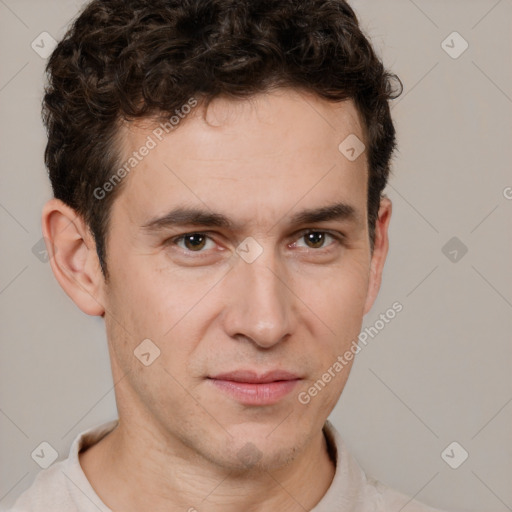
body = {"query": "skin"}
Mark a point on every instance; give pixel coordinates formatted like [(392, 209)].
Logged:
[(297, 307)]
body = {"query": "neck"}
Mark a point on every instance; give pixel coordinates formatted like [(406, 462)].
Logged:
[(130, 472)]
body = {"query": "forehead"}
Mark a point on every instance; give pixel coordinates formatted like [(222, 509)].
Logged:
[(253, 155)]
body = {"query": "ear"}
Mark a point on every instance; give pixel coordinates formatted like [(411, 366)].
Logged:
[(380, 251), (72, 252)]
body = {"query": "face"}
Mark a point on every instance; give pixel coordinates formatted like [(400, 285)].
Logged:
[(239, 246)]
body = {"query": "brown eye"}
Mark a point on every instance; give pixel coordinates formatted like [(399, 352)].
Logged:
[(315, 239), (194, 242)]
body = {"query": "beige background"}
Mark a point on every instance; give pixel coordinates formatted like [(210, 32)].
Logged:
[(439, 372)]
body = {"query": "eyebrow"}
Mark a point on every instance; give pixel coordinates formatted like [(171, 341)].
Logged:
[(197, 217)]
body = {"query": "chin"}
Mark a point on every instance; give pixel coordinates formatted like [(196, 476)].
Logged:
[(254, 459), (258, 452)]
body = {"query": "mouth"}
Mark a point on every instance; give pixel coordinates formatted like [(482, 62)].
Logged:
[(251, 388)]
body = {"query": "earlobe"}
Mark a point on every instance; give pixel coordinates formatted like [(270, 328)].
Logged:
[(380, 252), (73, 257)]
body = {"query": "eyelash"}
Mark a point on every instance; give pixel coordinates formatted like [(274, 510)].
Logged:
[(337, 236)]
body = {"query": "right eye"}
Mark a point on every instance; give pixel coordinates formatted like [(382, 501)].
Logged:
[(192, 242)]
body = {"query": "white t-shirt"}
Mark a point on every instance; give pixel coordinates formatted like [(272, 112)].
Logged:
[(63, 487)]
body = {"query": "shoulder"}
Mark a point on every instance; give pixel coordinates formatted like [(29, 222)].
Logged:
[(48, 489), (391, 499), (354, 490), (64, 486)]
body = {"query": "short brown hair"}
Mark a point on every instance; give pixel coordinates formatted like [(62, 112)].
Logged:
[(129, 59)]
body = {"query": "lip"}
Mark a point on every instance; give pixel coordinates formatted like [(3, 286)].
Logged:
[(252, 388)]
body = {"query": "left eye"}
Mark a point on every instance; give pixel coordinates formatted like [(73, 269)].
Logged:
[(315, 239), (193, 242)]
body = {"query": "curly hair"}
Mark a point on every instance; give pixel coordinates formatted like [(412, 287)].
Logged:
[(126, 59)]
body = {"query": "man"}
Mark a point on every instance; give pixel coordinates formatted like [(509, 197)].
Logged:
[(218, 169)]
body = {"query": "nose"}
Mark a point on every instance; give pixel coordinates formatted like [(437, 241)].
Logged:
[(260, 305)]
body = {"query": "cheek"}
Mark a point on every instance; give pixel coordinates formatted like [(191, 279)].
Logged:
[(145, 296), (338, 304), (337, 301), (338, 293), (165, 306)]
